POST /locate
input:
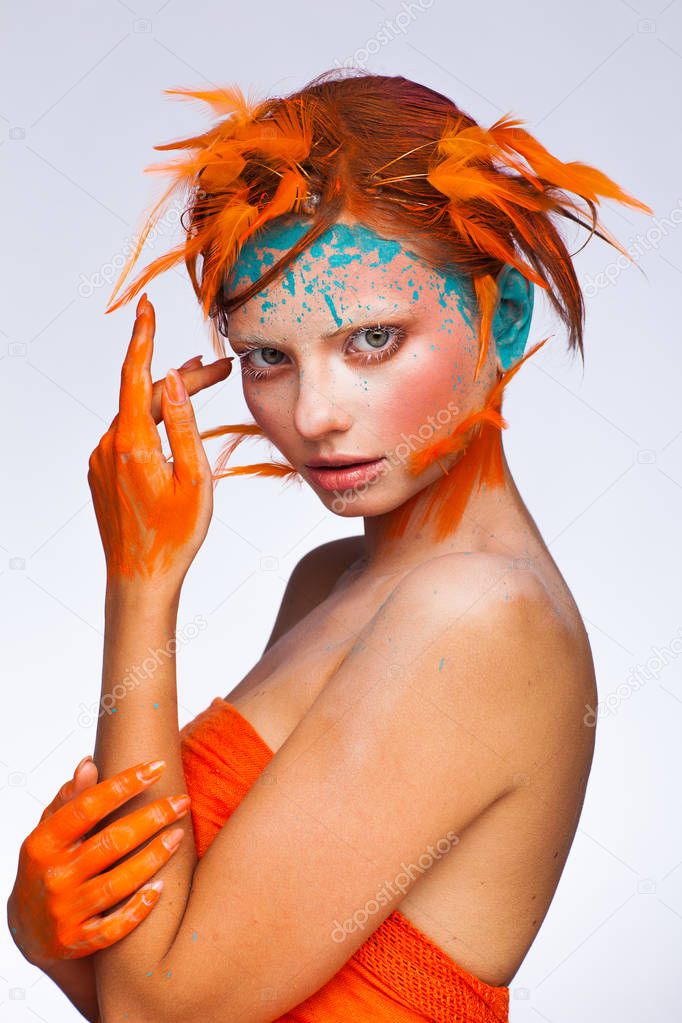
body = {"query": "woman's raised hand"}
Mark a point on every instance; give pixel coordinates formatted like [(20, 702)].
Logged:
[(153, 514), (64, 884)]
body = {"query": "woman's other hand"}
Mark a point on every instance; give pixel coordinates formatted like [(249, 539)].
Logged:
[(153, 514), (64, 884)]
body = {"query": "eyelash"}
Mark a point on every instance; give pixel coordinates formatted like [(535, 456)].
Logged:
[(366, 358)]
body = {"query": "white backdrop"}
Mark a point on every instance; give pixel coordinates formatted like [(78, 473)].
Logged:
[(597, 454)]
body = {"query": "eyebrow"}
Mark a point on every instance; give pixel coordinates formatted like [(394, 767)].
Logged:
[(378, 313)]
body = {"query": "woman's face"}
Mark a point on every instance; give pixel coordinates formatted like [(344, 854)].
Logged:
[(360, 350)]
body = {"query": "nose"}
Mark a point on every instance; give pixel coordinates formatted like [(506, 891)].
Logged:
[(320, 404)]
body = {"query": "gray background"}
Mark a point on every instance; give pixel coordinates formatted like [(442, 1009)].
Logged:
[(596, 454)]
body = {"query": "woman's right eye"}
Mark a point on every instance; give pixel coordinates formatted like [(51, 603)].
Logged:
[(259, 370)]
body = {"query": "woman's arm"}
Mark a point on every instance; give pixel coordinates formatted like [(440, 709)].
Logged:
[(77, 980), (437, 708), (138, 679)]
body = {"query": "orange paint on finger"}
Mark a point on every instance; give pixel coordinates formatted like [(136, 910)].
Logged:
[(61, 885), (152, 517)]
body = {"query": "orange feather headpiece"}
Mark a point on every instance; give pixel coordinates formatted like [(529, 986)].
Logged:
[(487, 193)]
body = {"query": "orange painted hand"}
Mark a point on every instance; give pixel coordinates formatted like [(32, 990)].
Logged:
[(153, 514), (63, 880)]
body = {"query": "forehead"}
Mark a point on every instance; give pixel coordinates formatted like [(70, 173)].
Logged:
[(349, 271)]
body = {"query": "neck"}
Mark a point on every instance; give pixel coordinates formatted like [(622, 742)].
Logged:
[(487, 518)]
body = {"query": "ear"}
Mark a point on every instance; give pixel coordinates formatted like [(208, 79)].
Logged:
[(511, 322)]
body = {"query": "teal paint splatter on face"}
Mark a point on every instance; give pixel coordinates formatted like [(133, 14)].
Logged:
[(254, 257), (289, 284), (337, 319), (282, 234), (343, 237), (453, 285), (442, 662), (343, 259), (325, 271)]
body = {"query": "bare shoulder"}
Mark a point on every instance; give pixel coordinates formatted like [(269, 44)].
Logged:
[(500, 649), (475, 590), (312, 580)]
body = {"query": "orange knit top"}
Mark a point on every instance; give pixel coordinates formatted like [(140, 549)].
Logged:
[(398, 975)]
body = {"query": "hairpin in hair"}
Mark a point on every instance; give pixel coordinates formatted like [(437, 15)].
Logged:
[(310, 203)]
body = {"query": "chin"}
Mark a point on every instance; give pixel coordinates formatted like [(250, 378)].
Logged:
[(365, 502)]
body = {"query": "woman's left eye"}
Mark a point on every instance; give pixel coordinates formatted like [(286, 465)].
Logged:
[(382, 341)]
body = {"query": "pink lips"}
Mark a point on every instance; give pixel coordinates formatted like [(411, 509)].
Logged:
[(346, 477)]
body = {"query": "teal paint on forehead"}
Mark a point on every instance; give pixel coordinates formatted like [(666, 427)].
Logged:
[(343, 259), (337, 319), (282, 234), (289, 283), (254, 257), (348, 245)]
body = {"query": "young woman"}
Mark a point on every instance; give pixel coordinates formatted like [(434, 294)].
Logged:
[(383, 807)]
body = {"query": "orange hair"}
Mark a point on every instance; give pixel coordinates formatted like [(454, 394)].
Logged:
[(406, 161)]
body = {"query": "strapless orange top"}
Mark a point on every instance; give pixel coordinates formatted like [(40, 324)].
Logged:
[(398, 975)]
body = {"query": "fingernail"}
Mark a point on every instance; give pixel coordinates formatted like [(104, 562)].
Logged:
[(189, 362), (141, 302), (151, 769), (175, 387), (172, 839), (179, 803), (152, 891), (82, 764)]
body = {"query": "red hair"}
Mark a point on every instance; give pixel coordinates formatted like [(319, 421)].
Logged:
[(402, 159)]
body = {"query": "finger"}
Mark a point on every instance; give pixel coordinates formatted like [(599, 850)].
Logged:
[(191, 363), (189, 456), (103, 931), (73, 820), (105, 890), (120, 838), (195, 379), (82, 778), (135, 424)]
